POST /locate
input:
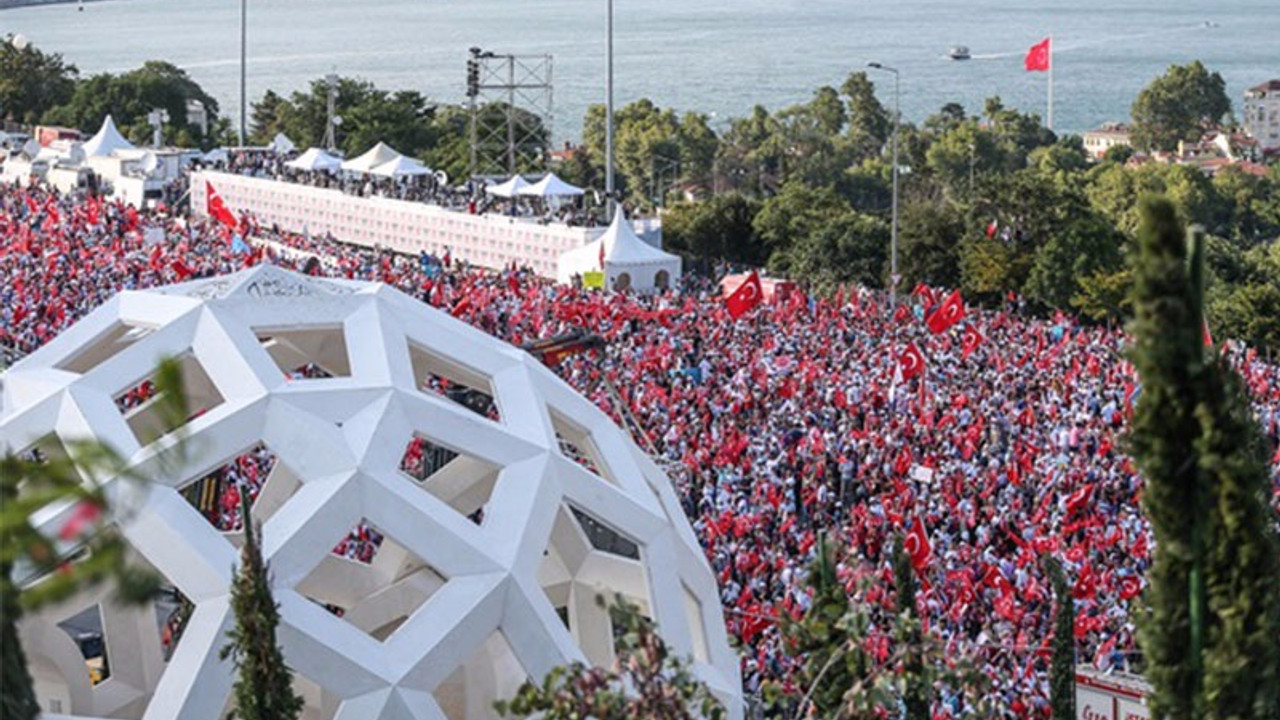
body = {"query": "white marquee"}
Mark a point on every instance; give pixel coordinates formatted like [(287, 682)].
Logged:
[(439, 510)]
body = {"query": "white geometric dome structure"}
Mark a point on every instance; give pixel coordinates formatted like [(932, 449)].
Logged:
[(439, 510)]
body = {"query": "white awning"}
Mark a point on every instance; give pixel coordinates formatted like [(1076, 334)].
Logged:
[(379, 154), (401, 167), (107, 142), (550, 186), (507, 189), (315, 160)]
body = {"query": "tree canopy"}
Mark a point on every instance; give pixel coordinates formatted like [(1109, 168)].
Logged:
[(1178, 105)]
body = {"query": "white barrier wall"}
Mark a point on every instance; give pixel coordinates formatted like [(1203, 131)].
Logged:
[(487, 240)]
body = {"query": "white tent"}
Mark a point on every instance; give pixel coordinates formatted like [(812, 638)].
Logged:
[(315, 160), (402, 166), (215, 155), (550, 186), (379, 154), (282, 144), (629, 262), (507, 189), (107, 142)]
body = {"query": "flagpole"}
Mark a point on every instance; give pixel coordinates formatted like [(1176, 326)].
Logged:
[(1049, 124)]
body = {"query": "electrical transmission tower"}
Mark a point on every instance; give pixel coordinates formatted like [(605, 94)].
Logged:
[(511, 107)]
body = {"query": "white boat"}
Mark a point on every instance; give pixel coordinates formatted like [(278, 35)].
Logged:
[(959, 52)]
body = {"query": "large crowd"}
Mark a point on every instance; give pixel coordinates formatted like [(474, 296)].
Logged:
[(780, 427)]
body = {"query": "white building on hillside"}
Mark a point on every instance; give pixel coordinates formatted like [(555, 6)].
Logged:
[(1262, 114)]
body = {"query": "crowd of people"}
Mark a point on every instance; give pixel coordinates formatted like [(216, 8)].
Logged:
[(788, 424)]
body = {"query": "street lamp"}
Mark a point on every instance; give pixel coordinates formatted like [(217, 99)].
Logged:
[(608, 115), (893, 258), (244, 34), (331, 125)]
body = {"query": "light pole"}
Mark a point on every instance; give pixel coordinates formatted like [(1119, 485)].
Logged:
[(244, 102), (893, 242), (608, 116), (330, 126)]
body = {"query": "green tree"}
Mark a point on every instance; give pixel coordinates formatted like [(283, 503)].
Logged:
[(916, 693), (1062, 665), (1179, 105), (718, 228), (129, 97), (928, 240), (32, 82), (794, 214), (264, 686), (403, 119), (94, 553), (645, 681), (850, 247), (1209, 637), (648, 143)]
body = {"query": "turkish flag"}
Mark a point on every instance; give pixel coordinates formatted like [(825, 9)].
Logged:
[(949, 313), (926, 295), (748, 295), (972, 339), (991, 228), (84, 516), (910, 362), (1208, 336), (1038, 57), (1130, 587), (602, 254), (917, 545), (218, 209)]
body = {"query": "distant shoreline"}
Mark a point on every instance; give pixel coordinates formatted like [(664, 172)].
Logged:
[(10, 4)]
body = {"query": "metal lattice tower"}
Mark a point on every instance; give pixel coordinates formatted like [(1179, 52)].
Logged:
[(511, 102)]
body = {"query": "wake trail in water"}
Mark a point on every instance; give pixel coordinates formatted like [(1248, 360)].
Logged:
[(1160, 32)]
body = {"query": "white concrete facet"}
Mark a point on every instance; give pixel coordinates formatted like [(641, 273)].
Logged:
[(439, 511)]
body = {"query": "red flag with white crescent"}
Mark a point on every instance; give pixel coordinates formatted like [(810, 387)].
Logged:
[(971, 340), (217, 209), (916, 543), (949, 313), (910, 362), (1038, 57), (748, 295)]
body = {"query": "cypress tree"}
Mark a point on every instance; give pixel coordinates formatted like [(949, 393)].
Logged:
[(1210, 632), (916, 690), (1062, 666), (264, 688)]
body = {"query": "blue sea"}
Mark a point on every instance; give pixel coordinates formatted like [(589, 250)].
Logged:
[(719, 57)]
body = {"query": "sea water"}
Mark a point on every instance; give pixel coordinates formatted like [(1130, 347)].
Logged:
[(719, 57)]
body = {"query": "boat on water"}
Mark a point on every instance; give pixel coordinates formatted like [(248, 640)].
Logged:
[(959, 52)]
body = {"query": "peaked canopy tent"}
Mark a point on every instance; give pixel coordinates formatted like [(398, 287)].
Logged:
[(402, 166), (379, 154), (107, 141), (315, 160), (508, 189), (629, 262), (550, 186)]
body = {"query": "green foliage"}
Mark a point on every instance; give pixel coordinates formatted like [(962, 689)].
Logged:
[(839, 679), (928, 244), (85, 478), (850, 247), (649, 143), (403, 119), (264, 685), (129, 97), (1209, 636), (645, 681), (1178, 105), (32, 82), (1062, 666), (717, 228)]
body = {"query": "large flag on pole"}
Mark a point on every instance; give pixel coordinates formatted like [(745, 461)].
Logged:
[(1040, 59), (1037, 59), (748, 295)]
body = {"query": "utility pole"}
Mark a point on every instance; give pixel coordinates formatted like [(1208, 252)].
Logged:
[(330, 128), (893, 243), (244, 96), (608, 118)]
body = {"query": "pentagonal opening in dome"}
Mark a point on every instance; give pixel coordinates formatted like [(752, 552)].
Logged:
[(118, 336), (309, 353), (492, 672), (141, 406), (576, 444), (217, 494), (463, 482), (86, 629), (371, 581), (438, 375), (586, 565), (173, 612)]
